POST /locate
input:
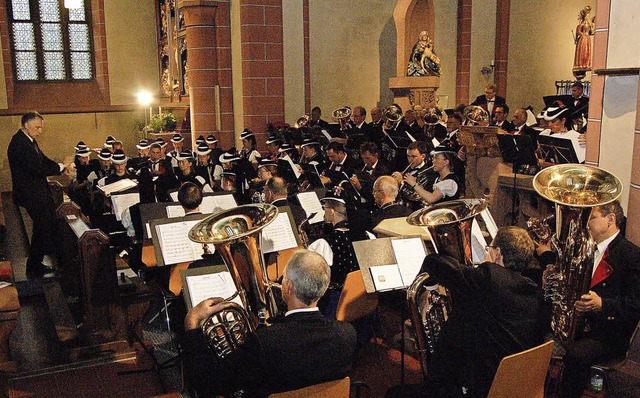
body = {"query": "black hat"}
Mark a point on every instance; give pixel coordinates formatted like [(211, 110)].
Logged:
[(83, 151), (229, 157), (202, 150), (211, 139), (246, 133), (309, 141), (160, 141), (80, 144), (273, 139), (185, 155), (105, 154), (442, 149), (554, 112), (143, 144), (335, 195), (266, 162), (119, 157), (109, 141), (200, 140), (177, 138), (285, 148)]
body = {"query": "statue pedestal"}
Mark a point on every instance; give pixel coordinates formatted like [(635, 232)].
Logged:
[(414, 90)]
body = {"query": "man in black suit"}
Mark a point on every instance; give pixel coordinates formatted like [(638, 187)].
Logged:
[(499, 120), (612, 307), (316, 114), (304, 349), (521, 128), (29, 170), (489, 100), (276, 193), (494, 314), (340, 162)]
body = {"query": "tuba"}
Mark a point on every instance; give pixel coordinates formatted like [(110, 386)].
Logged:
[(575, 189), (235, 233), (449, 224), (342, 116), (303, 121), (392, 115)]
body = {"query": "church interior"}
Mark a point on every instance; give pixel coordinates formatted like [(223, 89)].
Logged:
[(190, 72)]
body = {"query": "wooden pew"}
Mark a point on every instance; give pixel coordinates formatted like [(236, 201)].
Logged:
[(108, 313)]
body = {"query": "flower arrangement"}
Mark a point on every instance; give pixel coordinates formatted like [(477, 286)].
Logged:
[(163, 122)]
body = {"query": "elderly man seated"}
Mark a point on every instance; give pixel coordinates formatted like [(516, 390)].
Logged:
[(304, 349)]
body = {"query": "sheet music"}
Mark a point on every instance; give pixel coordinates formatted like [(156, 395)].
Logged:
[(174, 196), (409, 255), (175, 244), (311, 204), (122, 202), (489, 222), (478, 244), (326, 135), (219, 284), (224, 202), (278, 235), (175, 211), (118, 186), (386, 277), (293, 166), (148, 230), (410, 136)]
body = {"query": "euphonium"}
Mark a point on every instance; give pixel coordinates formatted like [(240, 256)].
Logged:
[(449, 224), (342, 116), (575, 189), (392, 115), (235, 233), (303, 121), (410, 194)]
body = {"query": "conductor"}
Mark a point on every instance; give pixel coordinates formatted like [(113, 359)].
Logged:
[(29, 170)]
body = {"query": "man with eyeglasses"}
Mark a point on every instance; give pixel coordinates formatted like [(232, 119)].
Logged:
[(494, 314)]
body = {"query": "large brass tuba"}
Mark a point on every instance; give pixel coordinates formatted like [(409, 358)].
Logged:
[(449, 224), (575, 189), (235, 233)]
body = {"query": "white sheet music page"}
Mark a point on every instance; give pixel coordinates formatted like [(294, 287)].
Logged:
[(224, 202), (208, 205), (122, 202), (174, 196), (311, 204), (478, 244), (409, 255), (219, 284), (386, 277), (293, 166), (175, 244), (118, 186), (278, 235), (175, 211)]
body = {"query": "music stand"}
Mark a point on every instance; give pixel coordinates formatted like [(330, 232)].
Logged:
[(557, 150), (518, 150), (312, 174), (381, 252)]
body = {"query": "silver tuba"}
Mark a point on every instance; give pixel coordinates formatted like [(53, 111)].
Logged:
[(449, 224), (342, 116), (575, 189), (235, 233)]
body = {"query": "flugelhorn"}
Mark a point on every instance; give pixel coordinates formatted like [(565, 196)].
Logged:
[(575, 189), (449, 224), (235, 233)]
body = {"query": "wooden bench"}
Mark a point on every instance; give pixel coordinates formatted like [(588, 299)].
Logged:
[(9, 311)]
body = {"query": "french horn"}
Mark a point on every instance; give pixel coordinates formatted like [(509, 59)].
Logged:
[(449, 224), (235, 233), (575, 189), (477, 115)]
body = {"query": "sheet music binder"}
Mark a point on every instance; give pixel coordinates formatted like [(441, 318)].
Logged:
[(375, 252), (292, 224), (155, 238), (184, 274), (557, 150)]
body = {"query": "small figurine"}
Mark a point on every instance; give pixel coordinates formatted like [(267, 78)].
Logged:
[(584, 31), (423, 60)]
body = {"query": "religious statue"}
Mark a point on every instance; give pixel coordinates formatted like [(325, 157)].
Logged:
[(584, 31), (423, 60)]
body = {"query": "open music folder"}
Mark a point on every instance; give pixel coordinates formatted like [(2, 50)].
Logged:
[(171, 242), (390, 263)]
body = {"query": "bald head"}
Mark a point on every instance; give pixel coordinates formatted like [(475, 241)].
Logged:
[(385, 190)]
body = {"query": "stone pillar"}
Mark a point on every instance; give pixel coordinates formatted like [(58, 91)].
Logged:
[(209, 61), (463, 62), (503, 12)]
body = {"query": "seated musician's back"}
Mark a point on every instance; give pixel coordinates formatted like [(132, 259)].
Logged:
[(302, 350)]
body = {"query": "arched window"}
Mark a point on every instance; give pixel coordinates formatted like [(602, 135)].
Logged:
[(49, 41)]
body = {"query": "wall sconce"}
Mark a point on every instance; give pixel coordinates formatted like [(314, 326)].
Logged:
[(487, 71), (73, 4)]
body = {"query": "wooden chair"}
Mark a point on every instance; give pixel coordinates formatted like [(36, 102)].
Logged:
[(331, 389), (522, 375), (355, 302)]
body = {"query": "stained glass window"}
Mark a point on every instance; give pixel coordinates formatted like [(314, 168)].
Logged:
[(50, 42)]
